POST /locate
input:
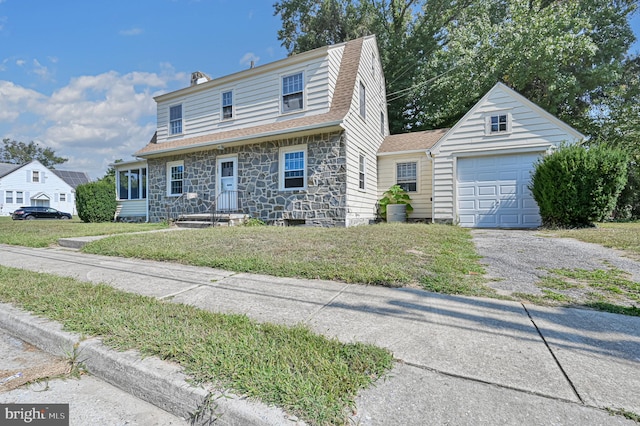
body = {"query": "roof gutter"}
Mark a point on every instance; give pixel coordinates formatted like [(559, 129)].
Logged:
[(331, 125)]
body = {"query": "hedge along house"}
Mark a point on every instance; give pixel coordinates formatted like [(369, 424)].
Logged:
[(477, 173), (291, 142)]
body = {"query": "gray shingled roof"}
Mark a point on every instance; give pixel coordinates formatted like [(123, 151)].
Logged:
[(6, 168)]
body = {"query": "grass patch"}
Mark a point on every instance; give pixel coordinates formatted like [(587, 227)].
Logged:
[(308, 375), (435, 257), (43, 233), (622, 236), (608, 290)]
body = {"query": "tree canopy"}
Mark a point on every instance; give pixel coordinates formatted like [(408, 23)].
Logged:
[(15, 152), (441, 56)]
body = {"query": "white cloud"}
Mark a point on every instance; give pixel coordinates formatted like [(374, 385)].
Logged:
[(41, 70), (20, 62), (3, 21), (131, 32), (93, 120), (248, 58)]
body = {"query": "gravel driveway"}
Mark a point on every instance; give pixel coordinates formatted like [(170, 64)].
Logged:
[(515, 259)]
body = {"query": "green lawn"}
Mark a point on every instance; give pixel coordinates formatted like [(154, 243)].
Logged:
[(434, 257), (43, 233), (308, 375), (622, 236)]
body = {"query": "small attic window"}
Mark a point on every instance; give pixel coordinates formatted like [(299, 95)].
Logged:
[(499, 123)]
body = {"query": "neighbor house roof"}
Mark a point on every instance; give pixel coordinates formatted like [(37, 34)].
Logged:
[(73, 179), (340, 105), (6, 168), (411, 142)]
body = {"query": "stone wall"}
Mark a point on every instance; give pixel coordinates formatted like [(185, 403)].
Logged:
[(322, 203)]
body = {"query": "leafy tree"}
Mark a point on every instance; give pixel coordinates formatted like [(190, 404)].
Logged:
[(440, 57), (15, 152)]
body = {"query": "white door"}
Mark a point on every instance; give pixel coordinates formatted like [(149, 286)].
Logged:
[(227, 194), (492, 192)]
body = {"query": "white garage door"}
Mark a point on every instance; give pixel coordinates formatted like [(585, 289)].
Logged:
[(493, 192)]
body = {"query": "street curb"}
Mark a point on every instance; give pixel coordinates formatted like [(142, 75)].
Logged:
[(158, 382)]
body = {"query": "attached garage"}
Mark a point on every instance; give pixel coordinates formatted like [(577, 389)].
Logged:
[(492, 192)]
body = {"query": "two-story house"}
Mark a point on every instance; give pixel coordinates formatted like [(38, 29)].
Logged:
[(290, 142), (33, 184)]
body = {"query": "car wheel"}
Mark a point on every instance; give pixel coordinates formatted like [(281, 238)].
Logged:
[(29, 218), (64, 217)]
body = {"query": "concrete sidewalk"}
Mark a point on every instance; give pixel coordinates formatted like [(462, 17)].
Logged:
[(460, 360)]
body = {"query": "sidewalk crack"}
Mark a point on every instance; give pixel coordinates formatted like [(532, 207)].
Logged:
[(557, 361), (317, 311)]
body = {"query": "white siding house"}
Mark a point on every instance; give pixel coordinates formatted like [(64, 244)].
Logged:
[(481, 167), (33, 184), (290, 142)]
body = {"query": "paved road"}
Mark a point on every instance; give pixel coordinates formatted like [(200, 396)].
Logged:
[(24, 379)]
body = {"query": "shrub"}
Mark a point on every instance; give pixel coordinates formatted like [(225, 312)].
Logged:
[(628, 206), (394, 195), (576, 186), (96, 201)]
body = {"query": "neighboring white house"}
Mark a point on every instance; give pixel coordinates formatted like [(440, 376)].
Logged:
[(477, 173), (33, 184), (290, 142)]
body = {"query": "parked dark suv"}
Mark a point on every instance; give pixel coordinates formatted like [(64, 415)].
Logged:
[(38, 212)]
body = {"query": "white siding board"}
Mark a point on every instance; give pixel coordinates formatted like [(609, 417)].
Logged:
[(531, 130)]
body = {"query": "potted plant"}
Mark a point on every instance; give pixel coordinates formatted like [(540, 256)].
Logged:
[(394, 206)]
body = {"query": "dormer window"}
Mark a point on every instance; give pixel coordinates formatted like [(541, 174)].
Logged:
[(227, 105), (175, 120), (292, 92)]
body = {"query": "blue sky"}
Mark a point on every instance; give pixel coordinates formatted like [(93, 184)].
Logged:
[(79, 76)]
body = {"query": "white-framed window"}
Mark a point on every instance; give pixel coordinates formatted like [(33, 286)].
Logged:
[(8, 197), (175, 120), (382, 126), (362, 171), (35, 176), (292, 92), (63, 197), (498, 122), (132, 184), (407, 176), (363, 100), (19, 197), (227, 105), (293, 167), (175, 178)]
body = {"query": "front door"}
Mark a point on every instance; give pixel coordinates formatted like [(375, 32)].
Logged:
[(227, 187)]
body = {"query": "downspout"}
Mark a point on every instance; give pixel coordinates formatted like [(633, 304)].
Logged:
[(433, 185), (147, 197)]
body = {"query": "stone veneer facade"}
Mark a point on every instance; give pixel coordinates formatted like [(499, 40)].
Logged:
[(322, 203)]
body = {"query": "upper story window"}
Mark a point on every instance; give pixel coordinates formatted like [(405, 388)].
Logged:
[(292, 92), (63, 197), (293, 167), (382, 126), (132, 184), (227, 105), (175, 176), (363, 101), (362, 171), (407, 176), (499, 123), (35, 176), (175, 120)]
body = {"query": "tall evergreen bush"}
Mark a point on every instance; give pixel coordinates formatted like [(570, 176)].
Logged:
[(576, 186), (96, 201)]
